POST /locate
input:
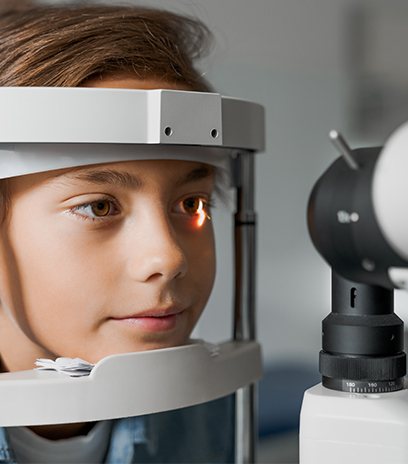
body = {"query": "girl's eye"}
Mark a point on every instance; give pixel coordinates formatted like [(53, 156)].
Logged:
[(193, 204), (196, 207), (96, 209)]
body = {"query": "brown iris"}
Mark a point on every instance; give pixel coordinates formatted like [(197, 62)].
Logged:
[(101, 208), (192, 204)]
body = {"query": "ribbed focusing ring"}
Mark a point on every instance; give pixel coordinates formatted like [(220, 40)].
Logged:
[(362, 368)]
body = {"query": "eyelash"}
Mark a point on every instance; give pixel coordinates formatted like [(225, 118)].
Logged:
[(208, 204)]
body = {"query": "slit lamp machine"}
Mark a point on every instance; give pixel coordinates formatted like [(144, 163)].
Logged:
[(357, 221)]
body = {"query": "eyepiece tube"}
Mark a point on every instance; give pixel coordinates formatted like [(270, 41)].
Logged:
[(362, 340)]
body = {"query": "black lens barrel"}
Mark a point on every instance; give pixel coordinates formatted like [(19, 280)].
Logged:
[(362, 338)]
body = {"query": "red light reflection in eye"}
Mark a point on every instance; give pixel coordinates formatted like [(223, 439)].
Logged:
[(201, 214)]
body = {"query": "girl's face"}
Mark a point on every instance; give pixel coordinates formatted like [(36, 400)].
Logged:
[(108, 258), (105, 259)]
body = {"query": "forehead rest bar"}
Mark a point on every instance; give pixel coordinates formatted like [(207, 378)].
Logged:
[(128, 116)]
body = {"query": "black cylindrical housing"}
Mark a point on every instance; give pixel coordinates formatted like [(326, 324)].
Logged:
[(343, 225), (362, 338), (362, 321)]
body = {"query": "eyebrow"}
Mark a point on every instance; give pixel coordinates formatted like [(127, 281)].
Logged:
[(106, 176), (202, 172), (130, 181)]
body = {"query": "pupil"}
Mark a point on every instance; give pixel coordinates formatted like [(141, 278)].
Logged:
[(191, 204)]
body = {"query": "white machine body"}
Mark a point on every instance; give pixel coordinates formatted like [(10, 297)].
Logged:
[(353, 428), (390, 191), (390, 199)]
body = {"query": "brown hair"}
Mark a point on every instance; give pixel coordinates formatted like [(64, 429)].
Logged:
[(70, 44)]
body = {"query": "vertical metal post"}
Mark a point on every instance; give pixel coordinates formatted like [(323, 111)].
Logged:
[(244, 301)]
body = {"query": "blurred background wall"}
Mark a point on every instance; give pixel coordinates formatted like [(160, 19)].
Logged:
[(315, 65)]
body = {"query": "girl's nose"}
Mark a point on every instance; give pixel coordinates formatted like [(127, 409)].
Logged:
[(156, 253)]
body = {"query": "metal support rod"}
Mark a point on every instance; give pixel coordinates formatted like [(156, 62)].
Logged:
[(245, 247), (343, 148), (244, 302)]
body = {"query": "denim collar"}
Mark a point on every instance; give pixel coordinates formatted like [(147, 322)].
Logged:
[(126, 433), (6, 454)]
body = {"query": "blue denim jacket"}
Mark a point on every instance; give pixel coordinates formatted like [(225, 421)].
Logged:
[(198, 434)]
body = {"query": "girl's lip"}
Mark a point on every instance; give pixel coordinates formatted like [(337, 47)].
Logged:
[(172, 311), (152, 321)]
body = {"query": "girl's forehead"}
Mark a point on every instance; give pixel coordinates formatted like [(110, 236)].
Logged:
[(142, 165), (131, 173), (125, 174)]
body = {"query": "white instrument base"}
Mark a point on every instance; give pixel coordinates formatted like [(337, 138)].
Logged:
[(353, 428)]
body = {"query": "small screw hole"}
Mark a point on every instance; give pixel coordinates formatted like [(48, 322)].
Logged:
[(168, 131), (214, 133)]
